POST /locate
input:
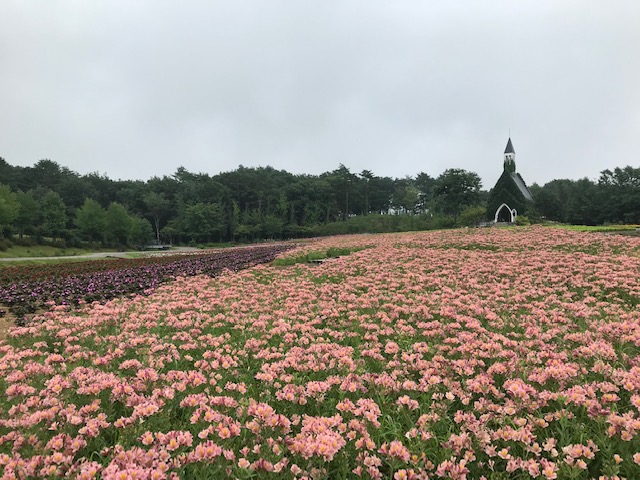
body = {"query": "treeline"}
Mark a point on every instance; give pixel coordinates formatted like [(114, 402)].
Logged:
[(613, 199), (248, 204)]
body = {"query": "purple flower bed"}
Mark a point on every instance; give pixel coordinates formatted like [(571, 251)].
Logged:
[(24, 290)]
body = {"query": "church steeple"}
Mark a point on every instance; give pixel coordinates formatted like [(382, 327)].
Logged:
[(510, 158)]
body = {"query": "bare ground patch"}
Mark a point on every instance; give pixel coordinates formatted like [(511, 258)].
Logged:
[(7, 321), (10, 320)]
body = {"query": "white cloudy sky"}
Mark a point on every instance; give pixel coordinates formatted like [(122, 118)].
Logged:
[(136, 88)]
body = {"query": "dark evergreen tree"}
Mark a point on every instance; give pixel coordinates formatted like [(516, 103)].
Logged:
[(548, 205)]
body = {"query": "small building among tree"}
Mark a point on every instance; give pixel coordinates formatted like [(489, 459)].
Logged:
[(510, 196)]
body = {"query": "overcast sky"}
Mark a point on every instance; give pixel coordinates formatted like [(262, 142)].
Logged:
[(137, 88)]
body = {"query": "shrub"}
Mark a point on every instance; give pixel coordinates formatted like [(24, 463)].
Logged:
[(59, 243), (472, 216), (25, 242)]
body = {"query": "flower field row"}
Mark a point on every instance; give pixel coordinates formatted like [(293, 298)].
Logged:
[(490, 354), (25, 289)]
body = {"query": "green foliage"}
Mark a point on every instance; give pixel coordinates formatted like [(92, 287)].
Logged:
[(119, 224), (601, 228), (383, 224), (506, 191), (335, 252), (406, 198), (258, 203), (425, 185), (620, 197), (5, 244), (203, 221), (53, 216), (14, 250), (157, 207), (342, 181), (217, 245), (472, 216), (470, 246), (615, 198), (142, 232), (455, 190), (548, 204), (272, 226), (91, 220), (27, 218), (9, 207), (583, 203), (314, 256), (25, 242)]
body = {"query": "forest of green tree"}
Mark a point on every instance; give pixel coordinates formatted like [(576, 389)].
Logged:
[(49, 201)]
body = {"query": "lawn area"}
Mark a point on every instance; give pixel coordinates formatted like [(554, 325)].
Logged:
[(49, 261), (18, 251), (599, 228), (462, 354), (76, 259)]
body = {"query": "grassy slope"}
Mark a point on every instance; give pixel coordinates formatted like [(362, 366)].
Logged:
[(17, 251)]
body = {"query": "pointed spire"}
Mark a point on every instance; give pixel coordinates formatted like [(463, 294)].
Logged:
[(509, 148)]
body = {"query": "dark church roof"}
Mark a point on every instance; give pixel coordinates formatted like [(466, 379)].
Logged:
[(509, 148), (510, 188), (517, 179)]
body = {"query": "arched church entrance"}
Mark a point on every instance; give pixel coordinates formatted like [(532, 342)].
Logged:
[(505, 214)]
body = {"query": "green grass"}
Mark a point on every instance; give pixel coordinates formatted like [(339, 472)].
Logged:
[(137, 254), (52, 261), (315, 255), (17, 251), (219, 245), (472, 246), (62, 259), (597, 228)]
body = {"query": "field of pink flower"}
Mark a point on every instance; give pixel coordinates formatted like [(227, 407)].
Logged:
[(457, 354)]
